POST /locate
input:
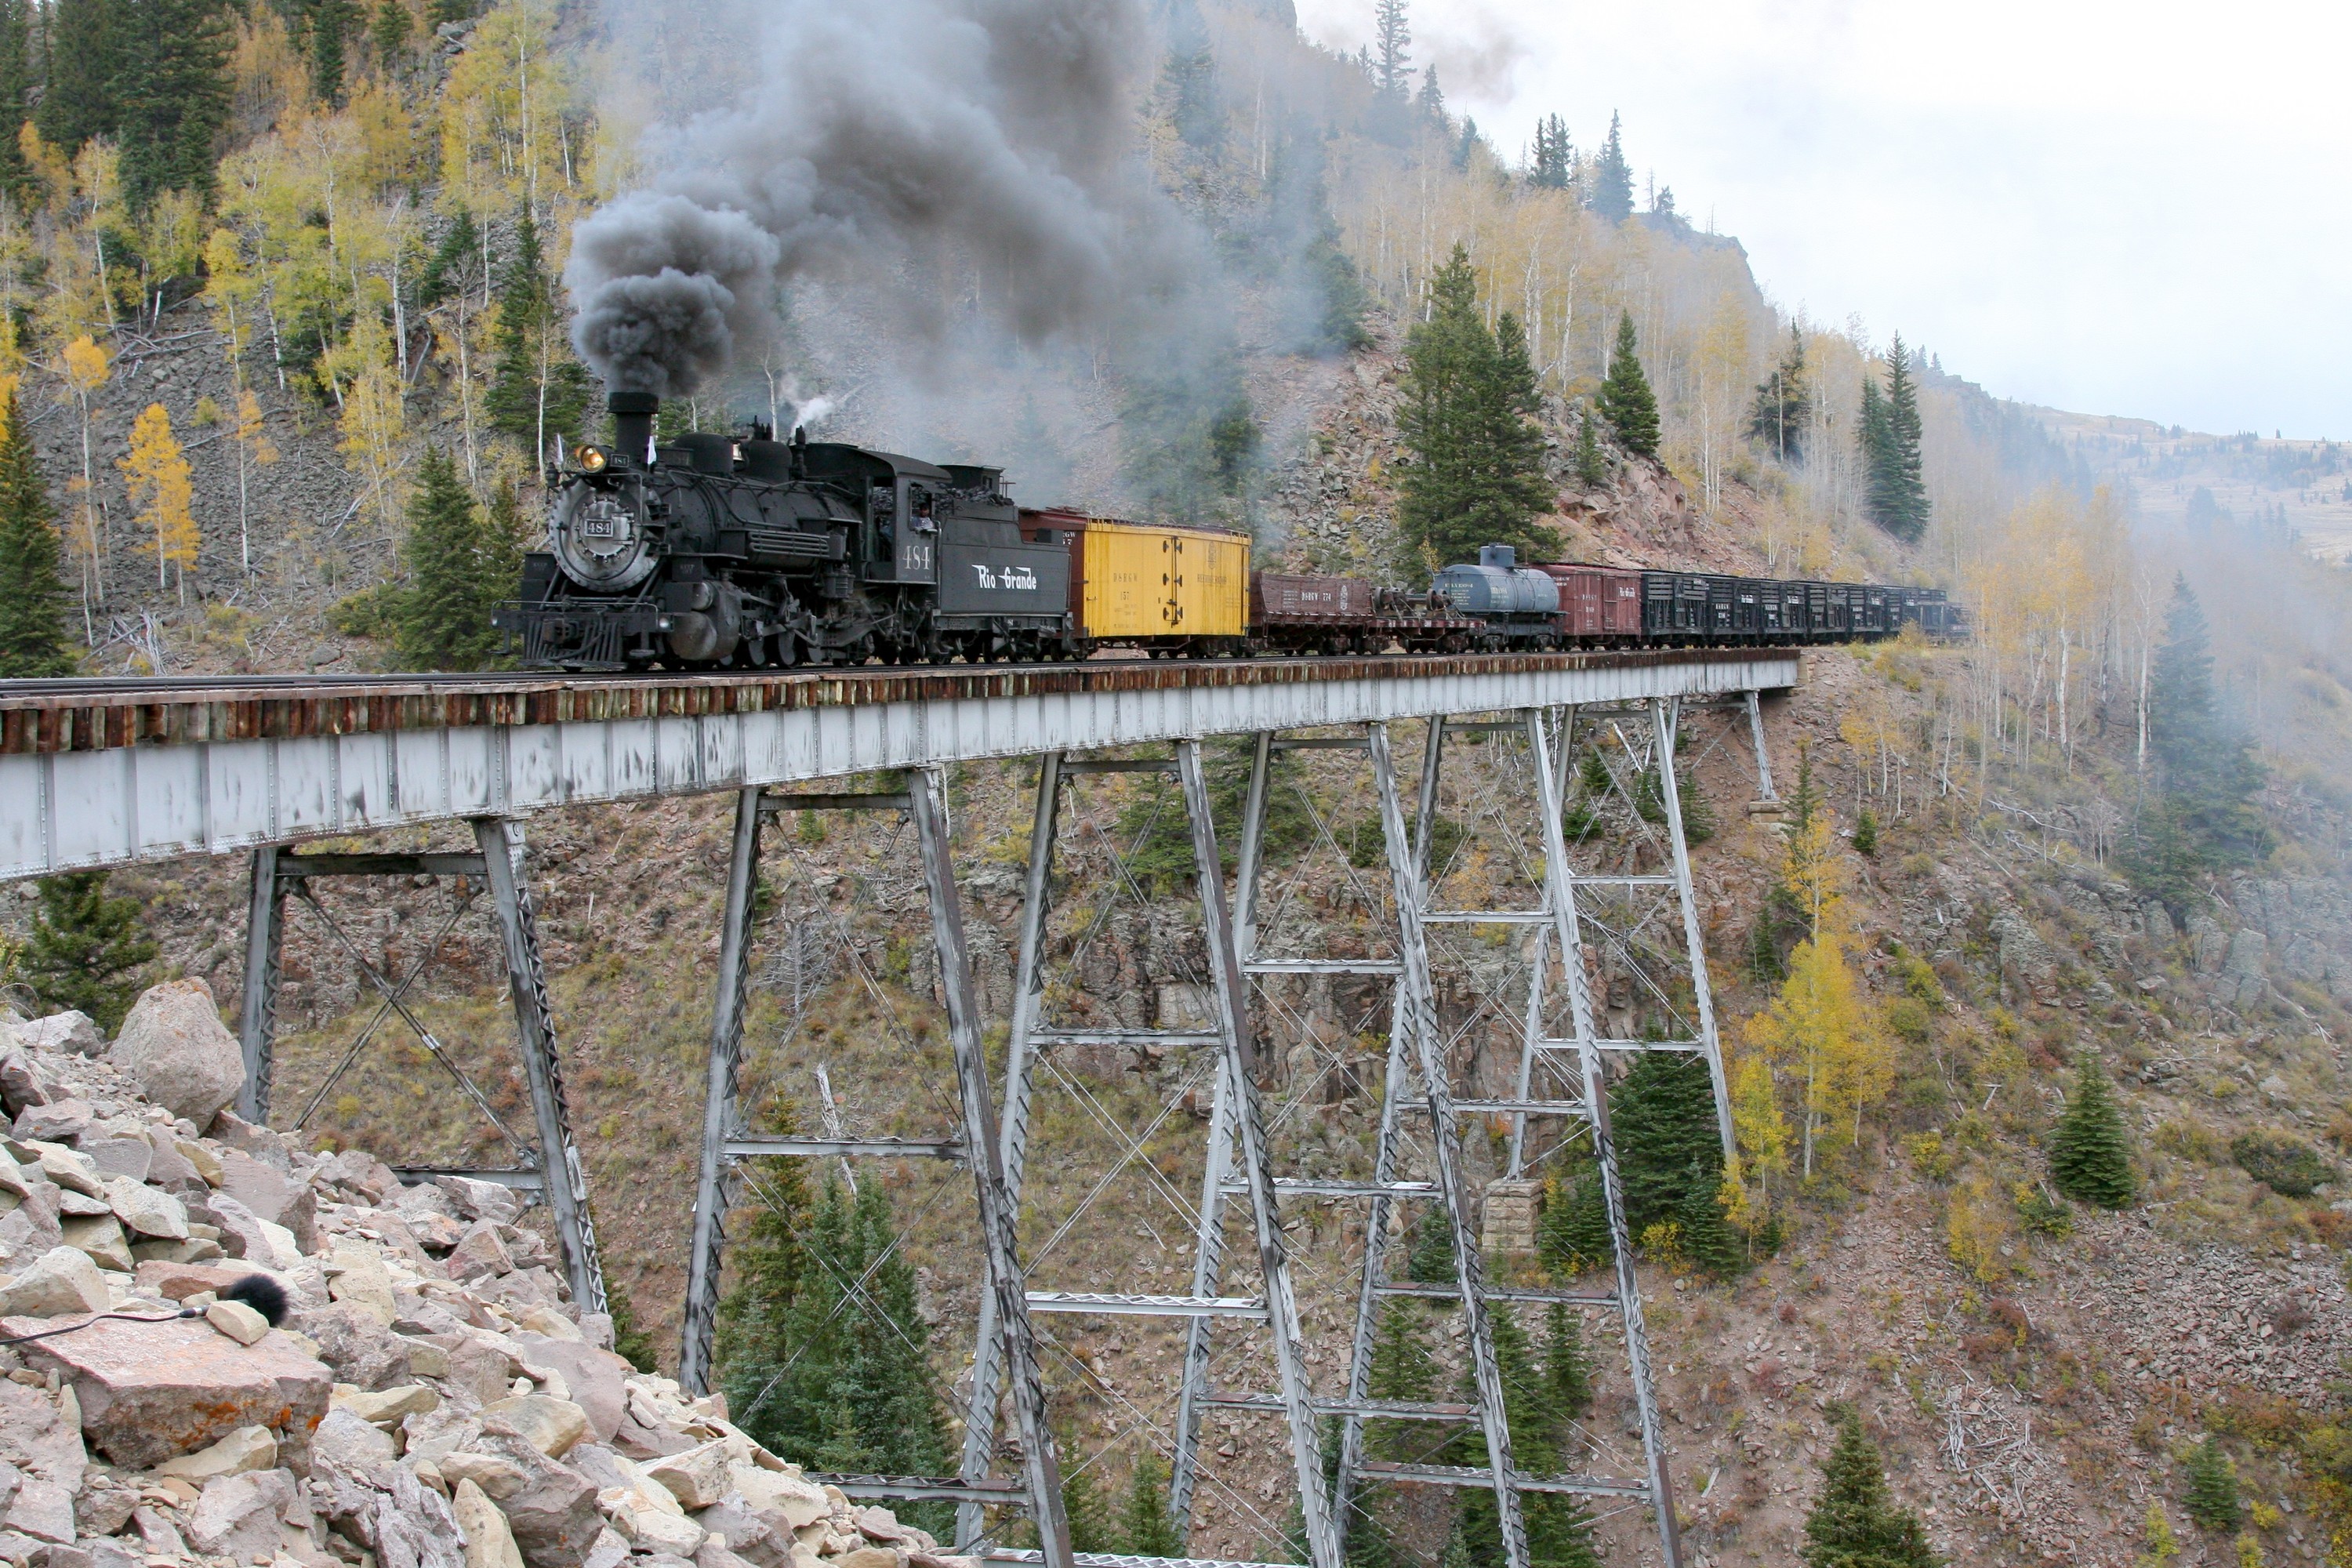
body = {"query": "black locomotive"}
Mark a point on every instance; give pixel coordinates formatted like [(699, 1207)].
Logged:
[(717, 552)]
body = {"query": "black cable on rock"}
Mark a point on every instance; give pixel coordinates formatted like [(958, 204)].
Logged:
[(258, 1291)]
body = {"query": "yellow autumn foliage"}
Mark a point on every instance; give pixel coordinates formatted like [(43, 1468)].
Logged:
[(162, 492)]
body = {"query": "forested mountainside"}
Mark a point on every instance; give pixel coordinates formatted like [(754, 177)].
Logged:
[(2036, 872)]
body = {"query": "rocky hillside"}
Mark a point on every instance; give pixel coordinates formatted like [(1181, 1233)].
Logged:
[(229, 1348)]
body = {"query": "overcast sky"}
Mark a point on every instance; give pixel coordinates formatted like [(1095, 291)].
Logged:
[(2111, 208)]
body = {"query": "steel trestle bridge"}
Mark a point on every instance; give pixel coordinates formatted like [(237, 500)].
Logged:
[(97, 773)]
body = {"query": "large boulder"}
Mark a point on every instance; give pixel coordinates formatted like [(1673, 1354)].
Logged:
[(551, 1509), (238, 1516), (175, 1043), (64, 1280), (362, 1352), (149, 1391), (597, 1379), (75, 1032)]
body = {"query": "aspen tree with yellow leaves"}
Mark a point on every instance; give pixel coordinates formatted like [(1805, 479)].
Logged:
[(373, 418), (162, 492), (1825, 1030), (254, 450), (87, 365), (505, 143), (1822, 1029)]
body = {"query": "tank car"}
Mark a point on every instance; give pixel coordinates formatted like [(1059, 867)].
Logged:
[(1520, 604)]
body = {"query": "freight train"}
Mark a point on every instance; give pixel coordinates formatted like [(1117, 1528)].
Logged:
[(715, 552)]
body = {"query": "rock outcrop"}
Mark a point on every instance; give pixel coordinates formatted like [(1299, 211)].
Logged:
[(431, 1399)]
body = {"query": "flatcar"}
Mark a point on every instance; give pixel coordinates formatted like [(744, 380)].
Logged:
[(714, 552)]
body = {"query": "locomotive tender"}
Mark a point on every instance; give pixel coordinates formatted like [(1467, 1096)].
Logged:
[(714, 552)]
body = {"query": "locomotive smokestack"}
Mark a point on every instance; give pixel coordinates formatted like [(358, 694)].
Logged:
[(633, 423)]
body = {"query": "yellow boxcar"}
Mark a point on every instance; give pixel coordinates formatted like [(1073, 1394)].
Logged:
[(1134, 581)]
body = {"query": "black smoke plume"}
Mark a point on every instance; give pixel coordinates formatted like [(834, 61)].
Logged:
[(987, 140)]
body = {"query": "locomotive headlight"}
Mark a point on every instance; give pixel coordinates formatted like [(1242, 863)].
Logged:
[(593, 459)]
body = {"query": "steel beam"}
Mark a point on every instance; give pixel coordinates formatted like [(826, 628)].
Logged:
[(1755, 737), (1559, 891), (1208, 1227), (761, 1146), (558, 1156), (998, 1211), (707, 1249), (150, 771), (1250, 1149), (1418, 1014), (1020, 1071), (265, 938), (1695, 940), (1393, 1093)]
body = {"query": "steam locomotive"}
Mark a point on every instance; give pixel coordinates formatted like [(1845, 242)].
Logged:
[(717, 552)]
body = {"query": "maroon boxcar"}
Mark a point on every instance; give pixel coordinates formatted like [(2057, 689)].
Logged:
[(1597, 601)]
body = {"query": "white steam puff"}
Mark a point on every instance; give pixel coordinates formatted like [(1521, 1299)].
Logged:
[(988, 134)]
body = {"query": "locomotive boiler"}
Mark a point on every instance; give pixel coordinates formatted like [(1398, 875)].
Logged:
[(712, 550)]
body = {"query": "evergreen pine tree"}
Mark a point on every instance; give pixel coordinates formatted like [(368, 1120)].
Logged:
[(2212, 1500), (2090, 1154), (329, 19), (1404, 1368), (1708, 1242), (1515, 438), (78, 102), (452, 266), (1572, 1237), (1592, 463), (444, 616), (1668, 1145), (1092, 1529), (392, 33), (827, 1362), (1875, 438), (1783, 401), (1191, 73), (1611, 194), (16, 84), (1559, 1530), (1145, 1528), (34, 641), (1431, 1262), (1865, 833), (753, 1344), (1554, 164), (1907, 490), (2207, 818), (1566, 1367), (1856, 1523), (170, 94), (538, 391), (1477, 476), (1626, 400), (87, 948), (505, 536), (1392, 48)]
